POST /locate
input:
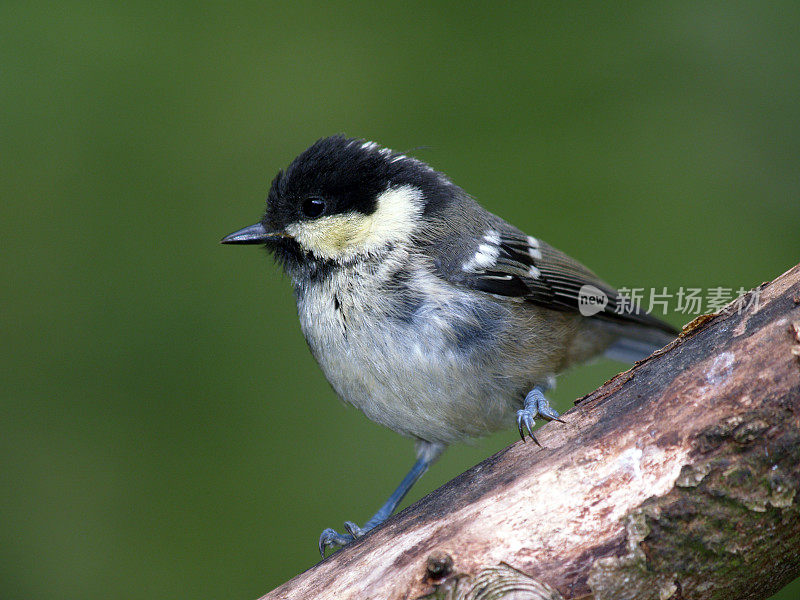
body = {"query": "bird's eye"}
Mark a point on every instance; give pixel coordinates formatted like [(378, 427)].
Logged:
[(313, 207)]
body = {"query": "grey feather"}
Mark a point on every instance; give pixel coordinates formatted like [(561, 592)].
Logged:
[(559, 278)]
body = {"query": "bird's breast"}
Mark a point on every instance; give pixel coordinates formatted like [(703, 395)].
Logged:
[(421, 358)]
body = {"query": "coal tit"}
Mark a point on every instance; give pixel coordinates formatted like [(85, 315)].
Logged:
[(430, 314)]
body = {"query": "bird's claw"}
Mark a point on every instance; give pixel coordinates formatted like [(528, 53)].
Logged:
[(536, 405), (526, 422), (330, 538), (353, 529)]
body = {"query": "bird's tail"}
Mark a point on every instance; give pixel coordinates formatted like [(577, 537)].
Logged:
[(638, 342)]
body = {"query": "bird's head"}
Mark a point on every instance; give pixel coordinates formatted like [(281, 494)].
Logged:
[(344, 198)]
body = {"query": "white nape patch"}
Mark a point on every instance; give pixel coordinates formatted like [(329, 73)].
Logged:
[(534, 272), (486, 255), (345, 236), (387, 153)]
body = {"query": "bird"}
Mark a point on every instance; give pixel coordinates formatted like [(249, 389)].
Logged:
[(433, 316)]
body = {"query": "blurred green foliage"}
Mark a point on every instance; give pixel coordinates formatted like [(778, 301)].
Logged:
[(165, 432)]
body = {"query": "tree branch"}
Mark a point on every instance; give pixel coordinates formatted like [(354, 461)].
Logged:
[(676, 479)]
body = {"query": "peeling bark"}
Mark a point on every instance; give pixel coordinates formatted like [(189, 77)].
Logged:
[(676, 479)]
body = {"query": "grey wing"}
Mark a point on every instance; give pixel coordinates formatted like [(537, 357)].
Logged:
[(506, 262)]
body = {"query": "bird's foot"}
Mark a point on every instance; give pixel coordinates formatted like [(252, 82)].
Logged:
[(330, 538), (427, 452), (536, 405)]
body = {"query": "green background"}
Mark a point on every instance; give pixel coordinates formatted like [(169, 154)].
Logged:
[(165, 432)]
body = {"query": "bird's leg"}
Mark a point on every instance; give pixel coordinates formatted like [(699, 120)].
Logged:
[(536, 405), (427, 453)]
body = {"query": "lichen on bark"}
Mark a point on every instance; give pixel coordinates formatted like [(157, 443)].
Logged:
[(733, 510)]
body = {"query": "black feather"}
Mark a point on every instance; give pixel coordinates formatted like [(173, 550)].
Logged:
[(555, 282)]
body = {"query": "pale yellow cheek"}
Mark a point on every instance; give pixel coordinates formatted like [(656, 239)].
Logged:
[(347, 232), (334, 236), (351, 234)]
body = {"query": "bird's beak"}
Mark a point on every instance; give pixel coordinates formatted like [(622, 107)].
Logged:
[(254, 234)]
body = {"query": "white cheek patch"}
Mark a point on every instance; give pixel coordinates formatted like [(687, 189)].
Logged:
[(341, 237), (398, 212)]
